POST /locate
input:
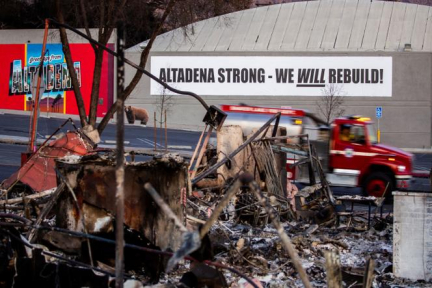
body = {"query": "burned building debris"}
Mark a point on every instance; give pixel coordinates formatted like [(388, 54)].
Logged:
[(238, 222)]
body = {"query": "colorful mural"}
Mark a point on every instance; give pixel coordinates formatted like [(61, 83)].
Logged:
[(19, 67)]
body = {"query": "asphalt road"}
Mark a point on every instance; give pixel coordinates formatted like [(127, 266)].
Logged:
[(10, 158), (135, 135), (138, 136)]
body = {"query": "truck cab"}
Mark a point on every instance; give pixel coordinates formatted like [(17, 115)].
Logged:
[(355, 153)]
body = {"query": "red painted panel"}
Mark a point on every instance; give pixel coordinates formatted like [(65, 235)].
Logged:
[(82, 55), (9, 53)]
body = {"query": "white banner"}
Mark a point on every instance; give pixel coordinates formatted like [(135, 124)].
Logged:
[(274, 76)]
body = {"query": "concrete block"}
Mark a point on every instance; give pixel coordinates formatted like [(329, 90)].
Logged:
[(412, 235)]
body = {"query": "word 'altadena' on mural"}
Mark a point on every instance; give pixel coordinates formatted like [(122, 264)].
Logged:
[(308, 77), (55, 77)]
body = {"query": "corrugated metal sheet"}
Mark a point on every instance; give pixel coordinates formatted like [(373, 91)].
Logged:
[(293, 28), (342, 25), (38, 172), (320, 24), (278, 31)]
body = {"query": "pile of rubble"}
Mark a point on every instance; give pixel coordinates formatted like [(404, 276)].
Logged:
[(259, 251), (230, 219)]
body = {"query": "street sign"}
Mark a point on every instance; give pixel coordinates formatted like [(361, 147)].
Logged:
[(378, 112)]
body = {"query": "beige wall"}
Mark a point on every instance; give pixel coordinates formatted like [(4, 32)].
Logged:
[(406, 118)]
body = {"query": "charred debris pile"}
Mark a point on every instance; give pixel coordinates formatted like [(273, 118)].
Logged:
[(228, 217)]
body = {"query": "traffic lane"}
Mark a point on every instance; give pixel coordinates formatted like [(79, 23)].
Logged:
[(10, 159), (18, 125), (144, 137), (10, 154), (422, 161), (137, 135), (7, 170)]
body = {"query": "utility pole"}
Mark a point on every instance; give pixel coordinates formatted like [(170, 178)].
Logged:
[(119, 261)]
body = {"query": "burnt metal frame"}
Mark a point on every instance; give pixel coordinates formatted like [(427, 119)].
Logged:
[(240, 148)]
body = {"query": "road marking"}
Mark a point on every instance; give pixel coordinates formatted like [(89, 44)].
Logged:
[(180, 147), (114, 142), (151, 143)]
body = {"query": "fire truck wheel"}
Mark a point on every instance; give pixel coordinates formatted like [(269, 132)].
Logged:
[(375, 184)]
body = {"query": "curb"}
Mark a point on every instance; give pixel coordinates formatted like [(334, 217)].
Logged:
[(417, 150)]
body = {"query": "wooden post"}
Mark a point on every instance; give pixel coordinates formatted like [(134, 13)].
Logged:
[(166, 133), (197, 147), (368, 276), (333, 269), (155, 133), (201, 153), (119, 262)]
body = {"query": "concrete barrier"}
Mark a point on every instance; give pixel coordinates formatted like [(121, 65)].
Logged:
[(412, 235)]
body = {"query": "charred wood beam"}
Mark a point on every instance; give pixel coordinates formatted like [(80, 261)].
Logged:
[(369, 271), (218, 210), (46, 209), (322, 176), (32, 196), (275, 128), (266, 164), (333, 269), (164, 206)]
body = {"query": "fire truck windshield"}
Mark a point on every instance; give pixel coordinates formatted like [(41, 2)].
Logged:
[(372, 134)]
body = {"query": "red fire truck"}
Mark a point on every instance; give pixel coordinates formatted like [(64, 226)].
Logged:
[(348, 148)]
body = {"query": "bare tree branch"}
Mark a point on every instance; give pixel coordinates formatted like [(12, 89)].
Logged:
[(86, 25), (102, 38), (66, 51), (164, 102), (102, 16), (330, 104), (138, 74)]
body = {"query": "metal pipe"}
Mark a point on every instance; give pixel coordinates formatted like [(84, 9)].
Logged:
[(36, 98), (286, 137)]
